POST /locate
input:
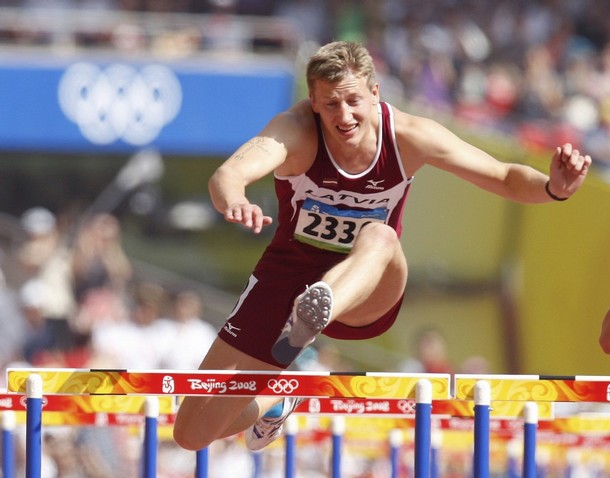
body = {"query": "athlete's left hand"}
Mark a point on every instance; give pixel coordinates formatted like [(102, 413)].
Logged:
[(568, 170)]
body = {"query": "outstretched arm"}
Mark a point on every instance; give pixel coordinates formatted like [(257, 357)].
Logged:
[(430, 143), (567, 172)]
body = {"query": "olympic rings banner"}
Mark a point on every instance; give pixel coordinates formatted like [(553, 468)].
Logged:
[(228, 384), (120, 106), (406, 408)]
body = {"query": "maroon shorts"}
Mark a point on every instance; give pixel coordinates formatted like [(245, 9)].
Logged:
[(266, 303)]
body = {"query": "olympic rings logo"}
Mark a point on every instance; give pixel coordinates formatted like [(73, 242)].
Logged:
[(406, 406), (119, 102), (283, 385)]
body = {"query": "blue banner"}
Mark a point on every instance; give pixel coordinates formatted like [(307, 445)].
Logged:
[(117, 106)]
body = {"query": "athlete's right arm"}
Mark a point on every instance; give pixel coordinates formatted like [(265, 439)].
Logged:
[(253, 160)]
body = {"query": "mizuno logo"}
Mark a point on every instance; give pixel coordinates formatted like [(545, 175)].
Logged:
[(374, 184), (231, 329)]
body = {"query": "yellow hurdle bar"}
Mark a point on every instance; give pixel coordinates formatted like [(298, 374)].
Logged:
[(228, 383), (538, 388)]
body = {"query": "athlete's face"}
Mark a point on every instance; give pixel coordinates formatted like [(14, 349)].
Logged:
[(345, 107)]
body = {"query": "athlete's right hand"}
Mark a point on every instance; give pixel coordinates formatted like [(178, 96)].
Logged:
[(249, 215)]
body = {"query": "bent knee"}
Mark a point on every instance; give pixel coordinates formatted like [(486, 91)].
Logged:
[(189, 438), (189, 430), (381, 235)]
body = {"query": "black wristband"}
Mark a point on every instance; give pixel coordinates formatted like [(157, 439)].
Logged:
[(551, 195)]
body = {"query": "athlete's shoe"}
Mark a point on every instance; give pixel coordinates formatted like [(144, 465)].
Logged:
[(267, 428), (310, 315)]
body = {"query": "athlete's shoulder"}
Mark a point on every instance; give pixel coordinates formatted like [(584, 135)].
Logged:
[(292, 126), (301, 115), (416, 128), (300, 138), (418, 138)]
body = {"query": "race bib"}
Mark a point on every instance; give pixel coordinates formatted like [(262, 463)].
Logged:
[(331, 228)]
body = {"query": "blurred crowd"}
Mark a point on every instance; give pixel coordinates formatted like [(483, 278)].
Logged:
[(69, 298), (75, 302), (538, 70)]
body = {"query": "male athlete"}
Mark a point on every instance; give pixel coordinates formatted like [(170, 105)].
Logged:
[(343, 162)]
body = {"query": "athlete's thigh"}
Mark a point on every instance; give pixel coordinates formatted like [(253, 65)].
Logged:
[(201, 419), (388, 291), (223, 356)]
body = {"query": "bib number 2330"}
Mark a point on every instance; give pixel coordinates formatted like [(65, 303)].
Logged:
[(328, 227)]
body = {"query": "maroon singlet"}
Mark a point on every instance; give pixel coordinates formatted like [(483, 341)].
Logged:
[(320, 213)]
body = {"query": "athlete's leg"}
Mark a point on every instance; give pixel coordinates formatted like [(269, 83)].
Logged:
[(371, 279), (201, 420), (356, 292)]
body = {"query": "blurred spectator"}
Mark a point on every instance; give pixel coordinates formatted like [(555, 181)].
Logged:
[(310, 17), (191, 336), (323, 357), (350, 20), (98, 258), (475, 364), (12, 324), (45, 260), (543, 86), (143, 341), (597, 141), (430, 353)]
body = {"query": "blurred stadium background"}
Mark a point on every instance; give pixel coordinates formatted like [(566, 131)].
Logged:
[(87, 85), (126, 106)]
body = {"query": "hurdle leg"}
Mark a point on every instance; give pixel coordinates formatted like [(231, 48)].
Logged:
[(338, 430), (8, 444), (423, 428), (512, 459), (530, 426), (33, 442), (290, 464), (396, 440), (150, 437), (482, 402), (201, 463), (257, 464), (435, 446)]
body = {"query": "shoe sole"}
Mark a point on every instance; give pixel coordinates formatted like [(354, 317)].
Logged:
[(313, 311)]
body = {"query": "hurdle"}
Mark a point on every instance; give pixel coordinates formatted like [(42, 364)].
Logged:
[(228, 383), (538, 388), (412, 397), (238, 383)]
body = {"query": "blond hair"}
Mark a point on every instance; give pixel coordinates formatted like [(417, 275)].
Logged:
[(335, 61)]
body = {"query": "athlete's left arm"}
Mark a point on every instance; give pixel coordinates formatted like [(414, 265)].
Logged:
[(424, 141)]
